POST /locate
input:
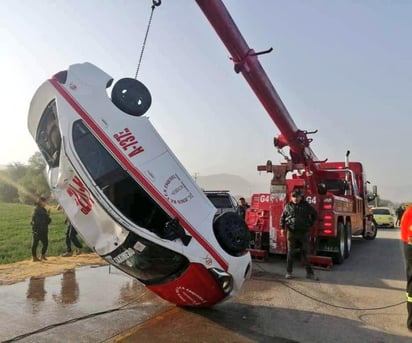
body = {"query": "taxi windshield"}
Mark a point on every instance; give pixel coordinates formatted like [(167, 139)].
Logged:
[(119, 187), (139, 257)]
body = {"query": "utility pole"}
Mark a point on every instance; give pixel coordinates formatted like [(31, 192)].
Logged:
[(195, 175)]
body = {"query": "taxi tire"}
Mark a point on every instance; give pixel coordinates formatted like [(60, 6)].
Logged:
[(231, 232), (131, 96)]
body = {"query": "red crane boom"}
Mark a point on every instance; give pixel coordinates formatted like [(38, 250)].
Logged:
[(247, 63)]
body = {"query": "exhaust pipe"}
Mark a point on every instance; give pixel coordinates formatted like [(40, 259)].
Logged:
[(347, 191)]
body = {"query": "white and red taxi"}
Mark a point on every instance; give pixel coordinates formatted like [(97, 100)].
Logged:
[(127, 194)]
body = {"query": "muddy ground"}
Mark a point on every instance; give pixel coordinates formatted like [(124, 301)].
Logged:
[(19, 271)]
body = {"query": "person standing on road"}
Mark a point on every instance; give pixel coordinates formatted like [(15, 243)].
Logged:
[(406, 236), (71, 237), (40, 221), (297, 218), (243, 206), (399, 213)]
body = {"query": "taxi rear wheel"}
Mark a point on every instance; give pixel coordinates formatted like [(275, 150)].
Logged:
[(231, 233)]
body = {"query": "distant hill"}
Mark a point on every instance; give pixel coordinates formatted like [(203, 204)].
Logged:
[(237, 185)]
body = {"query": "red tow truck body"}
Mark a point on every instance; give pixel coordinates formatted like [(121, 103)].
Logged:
[(336, 189)]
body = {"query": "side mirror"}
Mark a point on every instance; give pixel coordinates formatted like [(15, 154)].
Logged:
[(346, 186), (371, 197)]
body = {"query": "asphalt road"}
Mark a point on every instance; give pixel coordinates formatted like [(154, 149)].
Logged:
[(362, 300)]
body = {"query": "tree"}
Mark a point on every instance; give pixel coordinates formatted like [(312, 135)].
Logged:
[(37, 163), (24, 183), (8, 192), (34, 183), (16, 170)]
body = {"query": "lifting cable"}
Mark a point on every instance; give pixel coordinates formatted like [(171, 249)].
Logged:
[(287, 285), (155, 3)]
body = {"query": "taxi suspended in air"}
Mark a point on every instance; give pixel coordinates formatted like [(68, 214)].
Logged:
[(127, 194)]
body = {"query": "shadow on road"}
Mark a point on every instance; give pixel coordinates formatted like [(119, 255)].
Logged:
[(378, 263), (269, 324)]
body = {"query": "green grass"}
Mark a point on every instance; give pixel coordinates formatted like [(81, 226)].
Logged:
[(16, 235)]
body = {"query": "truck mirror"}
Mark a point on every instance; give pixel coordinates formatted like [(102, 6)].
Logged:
[(346, 186), (371, 197)]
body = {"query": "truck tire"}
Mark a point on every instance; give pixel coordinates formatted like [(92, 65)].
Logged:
[(231, 233), (374, 233), (339, 256), (348, 239)]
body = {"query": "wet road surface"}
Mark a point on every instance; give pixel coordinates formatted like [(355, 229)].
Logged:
[(362, 300), (83, 305)]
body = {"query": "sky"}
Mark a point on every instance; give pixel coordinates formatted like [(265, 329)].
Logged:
[(343, 68)]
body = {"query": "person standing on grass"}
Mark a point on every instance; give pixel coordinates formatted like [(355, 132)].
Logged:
[(40, 221), (71, 237)]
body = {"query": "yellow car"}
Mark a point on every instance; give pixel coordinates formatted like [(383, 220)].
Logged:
[(383, 217)]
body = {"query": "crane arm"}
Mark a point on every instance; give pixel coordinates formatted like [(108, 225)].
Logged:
[(246, 62)]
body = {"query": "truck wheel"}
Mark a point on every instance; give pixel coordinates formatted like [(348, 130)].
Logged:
[(339, 256), (131, 96), (373, 235), (231, 233), (348, 239)]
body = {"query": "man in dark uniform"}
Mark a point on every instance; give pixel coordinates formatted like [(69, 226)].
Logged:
[(297, 218), (71, 237), (40, 221), (243, 206), (399, 213)]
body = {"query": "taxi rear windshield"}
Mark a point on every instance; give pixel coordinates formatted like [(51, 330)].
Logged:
[(148, 262)]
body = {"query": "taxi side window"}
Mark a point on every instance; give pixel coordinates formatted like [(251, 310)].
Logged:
[(48, 136)]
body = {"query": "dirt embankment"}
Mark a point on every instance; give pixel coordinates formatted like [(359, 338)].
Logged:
[(19, 271)]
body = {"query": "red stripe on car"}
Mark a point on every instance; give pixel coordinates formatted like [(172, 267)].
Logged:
[(154, 193)]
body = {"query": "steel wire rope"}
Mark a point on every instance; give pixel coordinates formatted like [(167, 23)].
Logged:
[(77, 319), (286, 284), (154, 5)]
